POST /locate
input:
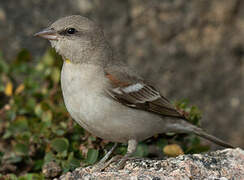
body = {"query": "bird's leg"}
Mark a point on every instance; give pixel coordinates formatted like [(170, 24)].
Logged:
[(132, 144), (101, 164), (105, 158)]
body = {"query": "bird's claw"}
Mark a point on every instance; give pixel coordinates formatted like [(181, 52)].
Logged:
[(100, 166)]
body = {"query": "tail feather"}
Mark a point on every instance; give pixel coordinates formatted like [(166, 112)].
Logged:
[(186, 127), (212, 138)]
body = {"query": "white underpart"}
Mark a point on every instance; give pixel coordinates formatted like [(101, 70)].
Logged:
[(101, 115), (133, 88)]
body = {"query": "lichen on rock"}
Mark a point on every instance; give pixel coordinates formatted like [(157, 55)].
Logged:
[(222, 164)]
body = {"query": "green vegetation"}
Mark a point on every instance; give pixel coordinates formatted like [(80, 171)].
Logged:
[(36, 129)]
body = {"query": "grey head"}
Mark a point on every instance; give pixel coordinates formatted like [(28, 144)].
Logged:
[(78, 39)]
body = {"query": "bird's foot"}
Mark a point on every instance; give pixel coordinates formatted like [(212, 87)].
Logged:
[(132, 144), (121, 163), (100, 166)]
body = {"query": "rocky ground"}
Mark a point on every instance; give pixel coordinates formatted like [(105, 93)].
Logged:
[(219, 165), (192, 49)]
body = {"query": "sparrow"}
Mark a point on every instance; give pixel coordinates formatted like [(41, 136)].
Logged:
[(107, 98)]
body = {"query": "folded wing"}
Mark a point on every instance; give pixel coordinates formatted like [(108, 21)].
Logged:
[(133, 92)]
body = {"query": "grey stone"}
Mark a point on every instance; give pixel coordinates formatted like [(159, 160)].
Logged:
[(221, 165)]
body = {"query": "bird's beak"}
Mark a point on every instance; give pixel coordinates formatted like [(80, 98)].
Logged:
[(49, 34)]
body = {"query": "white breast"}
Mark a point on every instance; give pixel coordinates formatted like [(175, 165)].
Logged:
[(82, 91), (85, 98)]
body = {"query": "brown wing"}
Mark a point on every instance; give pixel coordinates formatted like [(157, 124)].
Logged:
[(137, 94)]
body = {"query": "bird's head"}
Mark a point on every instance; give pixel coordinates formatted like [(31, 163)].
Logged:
[(78, 39)]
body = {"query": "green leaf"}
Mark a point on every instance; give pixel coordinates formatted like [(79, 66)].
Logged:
[(31, 103), (161, 143), (197, 149), (59, 132), (7, 134), (49, 157), (38, 164), (60, 144), (55, 75), (19, 126), (12, 177), (92, 138), (31, 176), (92, 156), (38, 110), (122, 149), (141, 150), (40, 66), (23, 56), (21, 149), (48, 58), (14, 158), (47, 117), (73, 162)]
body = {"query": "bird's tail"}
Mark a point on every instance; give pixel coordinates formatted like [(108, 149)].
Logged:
[(186, 127), (202, 133)]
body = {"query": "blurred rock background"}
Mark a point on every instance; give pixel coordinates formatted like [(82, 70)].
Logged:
[(193, 49)]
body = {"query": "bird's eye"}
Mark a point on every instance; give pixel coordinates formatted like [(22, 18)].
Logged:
[(71, 31)]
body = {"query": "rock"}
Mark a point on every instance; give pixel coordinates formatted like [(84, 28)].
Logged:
[(222, 165), (51, 169)]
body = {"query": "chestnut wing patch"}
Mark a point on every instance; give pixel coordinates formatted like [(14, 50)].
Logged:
[(141, 96)]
